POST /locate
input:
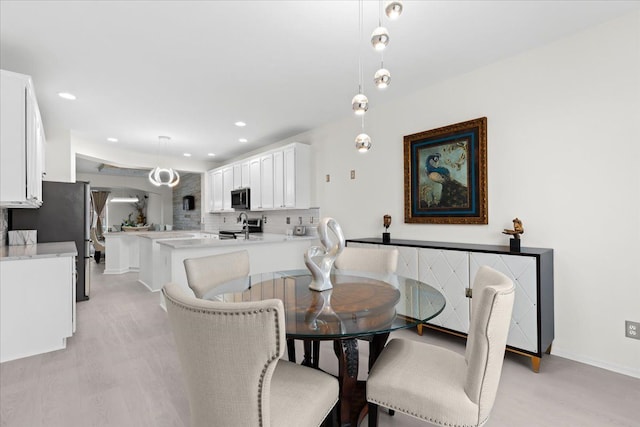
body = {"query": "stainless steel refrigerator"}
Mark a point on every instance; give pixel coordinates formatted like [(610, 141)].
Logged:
[(65, 215)]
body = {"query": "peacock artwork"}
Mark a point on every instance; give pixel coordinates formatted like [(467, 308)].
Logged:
[(446, 174), (444, 179)]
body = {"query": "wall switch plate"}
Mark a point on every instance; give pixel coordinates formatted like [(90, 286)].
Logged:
[(327, 178), (353, 174), (288, 220), (632, 329)]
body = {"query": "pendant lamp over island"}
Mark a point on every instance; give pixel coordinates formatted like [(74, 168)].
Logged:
[(159, 176)]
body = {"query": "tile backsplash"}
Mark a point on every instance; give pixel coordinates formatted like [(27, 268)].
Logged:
[(273, 221)]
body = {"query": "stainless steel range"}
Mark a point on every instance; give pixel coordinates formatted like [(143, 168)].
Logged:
[(255, 226)]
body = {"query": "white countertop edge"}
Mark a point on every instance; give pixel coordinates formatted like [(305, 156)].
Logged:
[(203, 243), (39, 250)]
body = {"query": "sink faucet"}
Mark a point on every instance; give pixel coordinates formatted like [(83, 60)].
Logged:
[(245, 224)]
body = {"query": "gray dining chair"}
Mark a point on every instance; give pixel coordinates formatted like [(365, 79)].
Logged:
[(439, 385), (205, 273), (230, 354)]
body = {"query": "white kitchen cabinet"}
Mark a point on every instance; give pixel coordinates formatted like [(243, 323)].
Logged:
[(37, 298), (277, 179), (227, 186), (451, 268), (266, 181), (21, 143), (245, 178), (216, 190), (255, 187), (221, 184)]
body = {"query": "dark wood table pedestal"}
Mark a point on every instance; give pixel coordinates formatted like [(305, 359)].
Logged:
[(353, 393)]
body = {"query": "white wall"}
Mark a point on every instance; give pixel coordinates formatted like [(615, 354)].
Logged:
[(563, 156)]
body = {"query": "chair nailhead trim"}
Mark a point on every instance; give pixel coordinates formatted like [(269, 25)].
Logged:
[(429, 419), (224, 313)]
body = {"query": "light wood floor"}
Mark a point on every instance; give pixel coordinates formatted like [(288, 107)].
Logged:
[(120, 369)]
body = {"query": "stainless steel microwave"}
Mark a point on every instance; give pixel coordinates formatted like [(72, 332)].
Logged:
[(240, 199)]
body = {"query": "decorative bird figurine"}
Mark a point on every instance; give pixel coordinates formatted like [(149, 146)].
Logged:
[(517, 229)]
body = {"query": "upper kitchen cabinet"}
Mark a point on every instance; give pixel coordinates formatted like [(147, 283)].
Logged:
[(291, 177), (278, 179), (21, 143)]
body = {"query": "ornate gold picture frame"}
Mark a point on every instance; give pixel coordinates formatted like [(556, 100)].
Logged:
[(445, 174)]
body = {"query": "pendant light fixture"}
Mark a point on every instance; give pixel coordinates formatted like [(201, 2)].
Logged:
[(380, 38), (382, 77), (393, 9), (360, 103), (164, 176)]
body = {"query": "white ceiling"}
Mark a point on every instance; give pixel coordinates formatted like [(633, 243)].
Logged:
[(189, 70)]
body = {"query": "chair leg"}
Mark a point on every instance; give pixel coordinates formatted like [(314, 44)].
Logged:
[(291, 350), (97, 255), (316, 354), (373, 414)]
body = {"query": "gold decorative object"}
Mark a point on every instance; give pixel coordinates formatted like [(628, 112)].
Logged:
[(517, 229)]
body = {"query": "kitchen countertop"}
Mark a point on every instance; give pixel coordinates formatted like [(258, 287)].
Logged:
[(39, 250), (185, 234), (255, 238)]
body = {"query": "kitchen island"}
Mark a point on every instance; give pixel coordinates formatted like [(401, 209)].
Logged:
[(37, 298), (123, 250), (267, 252)]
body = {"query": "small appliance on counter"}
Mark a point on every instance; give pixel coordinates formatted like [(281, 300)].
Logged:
[(299, 230)]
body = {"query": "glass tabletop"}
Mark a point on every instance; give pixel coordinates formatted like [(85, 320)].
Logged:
[(359, 304)]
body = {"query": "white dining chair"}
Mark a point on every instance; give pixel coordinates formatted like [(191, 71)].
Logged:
[(205, 273), (230, 354), (441, 386)]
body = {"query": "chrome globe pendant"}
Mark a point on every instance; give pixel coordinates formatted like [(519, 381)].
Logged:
[(363, 142), (382, 78), (360, 104), (393, 9), (380, 38), (159, 176)]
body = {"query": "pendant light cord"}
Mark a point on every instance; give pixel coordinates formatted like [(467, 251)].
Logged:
[(360, 25)]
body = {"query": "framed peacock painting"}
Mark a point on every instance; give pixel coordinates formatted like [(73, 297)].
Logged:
[(445, 174)]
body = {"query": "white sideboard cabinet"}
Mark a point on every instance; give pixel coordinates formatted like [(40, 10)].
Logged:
[(22, 143), (451, 268)]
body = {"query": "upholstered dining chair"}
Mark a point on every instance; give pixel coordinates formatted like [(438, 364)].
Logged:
[(382, 261), (230, 354), (205, 273), (441, 386), (98, 245), (372, 260)]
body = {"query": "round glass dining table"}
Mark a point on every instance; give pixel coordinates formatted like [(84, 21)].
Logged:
[(360, 305)]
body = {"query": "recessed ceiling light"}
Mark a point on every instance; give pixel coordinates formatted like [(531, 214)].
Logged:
[(243, 140), (240, 124), (112, 139), (187, 154), (67, 95), (211, 154)]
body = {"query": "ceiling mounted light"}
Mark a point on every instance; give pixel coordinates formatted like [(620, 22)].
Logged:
[(211, 154), (112, 139), (360, 104), (124, 200), (240, 124), (380, 38), (67, 95), (382, 78), (163, 176), (393, 9), (187, 154), (363, 142), (242, 140)]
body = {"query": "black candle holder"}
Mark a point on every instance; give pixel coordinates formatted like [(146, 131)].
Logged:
[(514, 245), (386, 237)]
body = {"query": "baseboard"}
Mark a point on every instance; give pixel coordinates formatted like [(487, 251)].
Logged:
[(148, 287), (624, 370)]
